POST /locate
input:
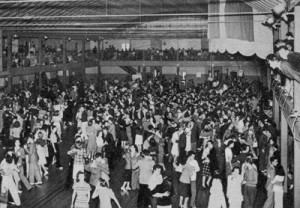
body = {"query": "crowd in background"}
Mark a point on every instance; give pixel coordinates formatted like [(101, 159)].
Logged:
[(176, 142)]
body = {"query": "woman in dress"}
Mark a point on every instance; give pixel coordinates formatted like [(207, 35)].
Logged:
[(234, 189), (228, 157), (105, 195), (206, 170), (81, 193), (278, 187), (155, 180), (217, 198)]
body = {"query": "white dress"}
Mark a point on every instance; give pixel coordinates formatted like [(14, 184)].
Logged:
[(175, 148), (188, 145), (217, 198)]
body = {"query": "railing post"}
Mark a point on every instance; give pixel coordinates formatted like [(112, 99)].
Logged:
[(40, 45), (64, 61), (1, 51), (9, 61)]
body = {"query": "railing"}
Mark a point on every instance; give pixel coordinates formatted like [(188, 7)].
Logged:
[(286, 103)]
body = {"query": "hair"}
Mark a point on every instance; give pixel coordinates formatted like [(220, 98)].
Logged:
[(272, 57), (229, 143), (157, 166), (78, 174), (103, 183), (9, 158), (280, 171), (98, 154), (146, 152), (249, 160), (235, 168), (190, 153), (272, 159)]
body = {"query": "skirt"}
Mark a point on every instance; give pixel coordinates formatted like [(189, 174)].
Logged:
[(185, 189), (127, 175), (206, 169)]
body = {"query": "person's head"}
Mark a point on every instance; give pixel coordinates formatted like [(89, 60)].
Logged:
[(280, 171), (134, 149), (235, 171), (78, 142), (40, 135), (274, 161), (103, 183), (283, 52), (146, 152), (273, 61), (98, 157), (17, 143), (80, 176), (9, 157), (210, 144), (191, 155), (157, 169), (230, 144)]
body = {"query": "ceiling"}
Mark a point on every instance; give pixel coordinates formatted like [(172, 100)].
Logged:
[(113, 18), (104, 17)]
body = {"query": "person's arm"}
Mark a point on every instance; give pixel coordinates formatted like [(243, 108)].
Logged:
[(73, 198), (95, 194)]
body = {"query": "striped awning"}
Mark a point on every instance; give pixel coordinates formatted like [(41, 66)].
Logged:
[(263, 5)]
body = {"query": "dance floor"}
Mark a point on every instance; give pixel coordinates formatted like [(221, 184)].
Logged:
[(54, 193)]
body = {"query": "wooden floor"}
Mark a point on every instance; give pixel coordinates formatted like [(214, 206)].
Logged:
[(54, 194)]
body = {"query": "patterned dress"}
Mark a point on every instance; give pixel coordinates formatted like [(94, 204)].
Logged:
[(82, 193)]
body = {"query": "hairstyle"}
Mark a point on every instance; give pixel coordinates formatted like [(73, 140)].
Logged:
[(9, 158), (280, 171), (229, 143), (157, 166), (249, 160), (190, 153), (235, 168), (78, 174), (103, 183), (272, 159), (98, 154), (272, 57), (146, 152)]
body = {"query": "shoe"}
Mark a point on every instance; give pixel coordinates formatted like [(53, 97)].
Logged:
[(128, 188), (123, 189), (39, 183), (19, 191), (60, 168), (46, 173)]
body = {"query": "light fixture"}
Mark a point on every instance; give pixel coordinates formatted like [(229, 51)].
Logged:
[(45, 37), (69, 39), (87, 39), (15, 36), (279, 11)]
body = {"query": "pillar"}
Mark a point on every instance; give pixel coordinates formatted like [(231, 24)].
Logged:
[(1, 51), (64, 62), (276, 111), (83, 50), (99, 51), (9, 61), (40, 62), (284, 145), (297, 107)]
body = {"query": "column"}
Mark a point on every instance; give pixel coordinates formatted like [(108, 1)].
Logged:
[(40, 62), (1, 51), (276, 111), (297, 107), (99, 52), (284, 145), (9, 61), (83, 50), (64, 62)]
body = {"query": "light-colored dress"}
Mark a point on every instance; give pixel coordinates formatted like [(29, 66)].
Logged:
[(175, 148), (217, 198), (82, 198), (105, 195), (234, 191)]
